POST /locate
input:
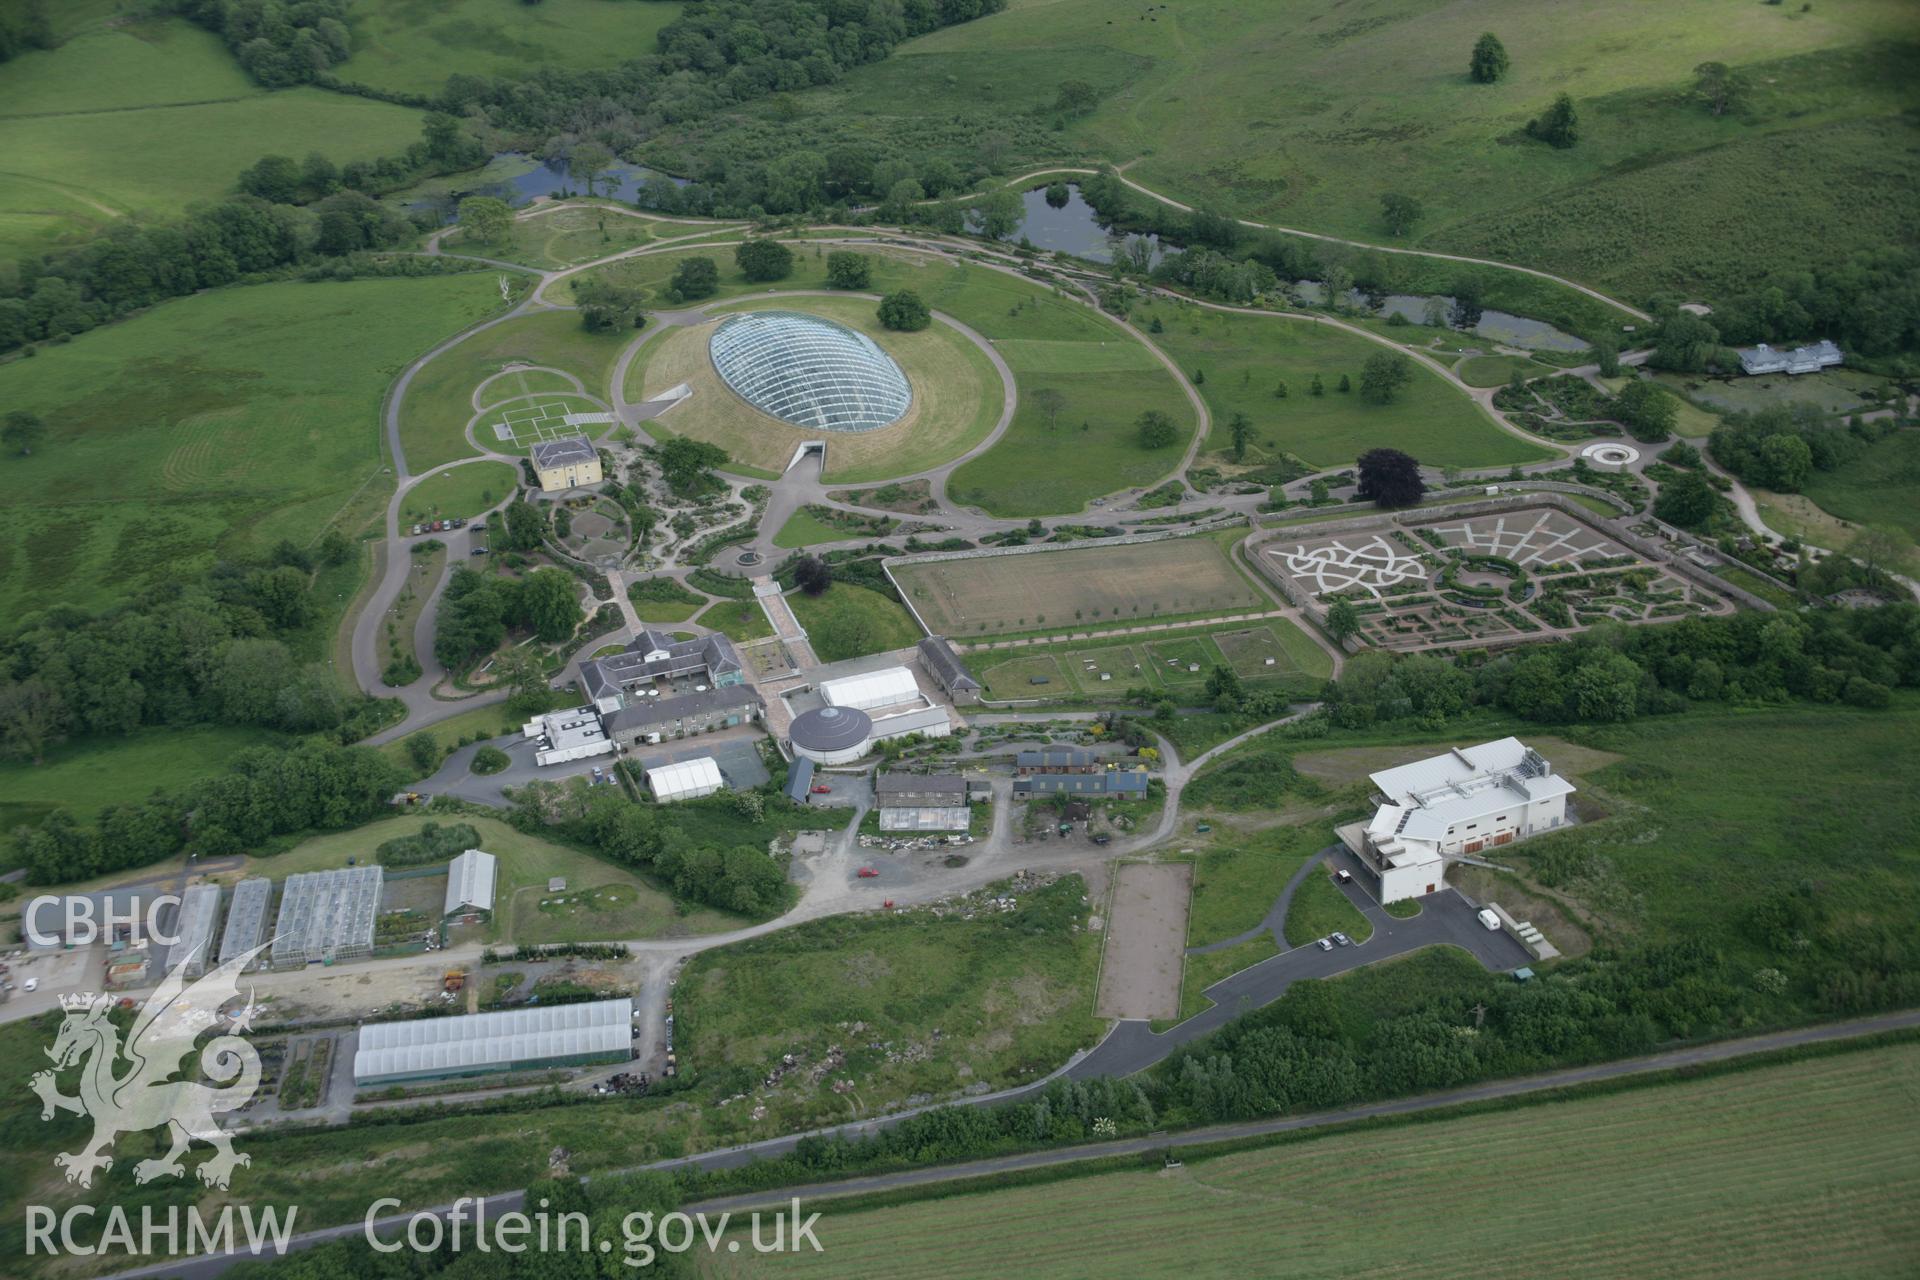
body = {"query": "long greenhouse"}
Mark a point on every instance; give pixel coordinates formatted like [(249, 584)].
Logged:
[(565, 1035)]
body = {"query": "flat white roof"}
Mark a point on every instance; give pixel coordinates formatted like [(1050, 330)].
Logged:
[(684, 777), (887, 687), (1428, 796)]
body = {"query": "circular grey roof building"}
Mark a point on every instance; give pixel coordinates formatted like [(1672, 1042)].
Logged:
[(810, 371), (831, 735)]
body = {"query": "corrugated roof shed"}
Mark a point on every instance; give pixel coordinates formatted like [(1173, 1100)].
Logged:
[(800, 780), (470, 882)]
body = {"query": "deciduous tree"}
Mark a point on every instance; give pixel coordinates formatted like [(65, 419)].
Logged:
[(1390, 478)]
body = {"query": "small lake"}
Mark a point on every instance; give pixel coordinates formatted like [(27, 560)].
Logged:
[(520, 180), (1073, 228)]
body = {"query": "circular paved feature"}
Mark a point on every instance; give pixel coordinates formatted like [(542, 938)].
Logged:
[(1611, 454)]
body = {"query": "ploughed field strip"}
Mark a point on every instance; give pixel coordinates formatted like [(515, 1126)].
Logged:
[(1071, 589), (1483, 578)]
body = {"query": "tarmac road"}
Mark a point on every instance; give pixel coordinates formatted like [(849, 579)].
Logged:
[(206, 1268)]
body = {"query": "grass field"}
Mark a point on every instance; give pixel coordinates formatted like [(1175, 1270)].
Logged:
[(1318, 909), (1304, 116), (211, 425), (849, 621), (466, 490), (1007, 1003), (998, 595), (738, 620), (1497, 371), (1791, 1170), (412, 46), (1880, 485), (957, 398), (564, 237), (148, 116), (664, 600), (624, 905), (1245, 357), (439, 402), (1045, 464), (85, 777), (1156, 661)]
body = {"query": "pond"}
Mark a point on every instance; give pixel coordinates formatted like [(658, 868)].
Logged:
[(519, 180), (1073, 228)]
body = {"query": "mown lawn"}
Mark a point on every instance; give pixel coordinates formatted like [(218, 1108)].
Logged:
[(957, 397), (1723, 1164), (1245, 358), (849, 621), (212, 425), (439, 402), (466, 491), (1880, 485), (1318, 909), (1046, 463)]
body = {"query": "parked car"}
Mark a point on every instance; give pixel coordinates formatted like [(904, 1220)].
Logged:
[(1103, 839), (1342, 939), (479, 551), (1324, 945), (31, 984), (1489, 921), (823, 789), (1343, 876), (867, 873)]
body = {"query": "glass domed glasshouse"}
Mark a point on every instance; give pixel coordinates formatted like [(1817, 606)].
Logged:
[(810, 371)]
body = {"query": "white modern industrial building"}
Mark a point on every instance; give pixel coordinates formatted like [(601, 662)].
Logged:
[(565, 1035), (470, 883), (567, 735), (685, 779), (887, 687), (853, 713), (1452, 807)]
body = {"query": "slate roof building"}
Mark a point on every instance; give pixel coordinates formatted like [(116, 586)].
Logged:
[(566, 463), (1809, 359), (1055, 760), (655, 655), (943, 664), (651, 719)]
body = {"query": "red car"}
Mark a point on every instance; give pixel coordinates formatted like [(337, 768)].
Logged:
[(868, 873), (823, 791)]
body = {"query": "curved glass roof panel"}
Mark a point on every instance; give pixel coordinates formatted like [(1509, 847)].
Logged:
[(810, 371)]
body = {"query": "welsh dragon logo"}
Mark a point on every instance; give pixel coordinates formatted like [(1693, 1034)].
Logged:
[(130, 1087)]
